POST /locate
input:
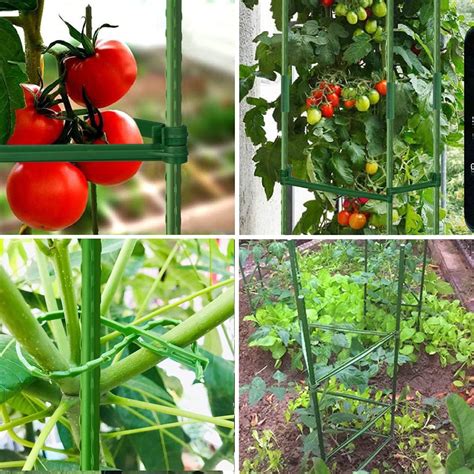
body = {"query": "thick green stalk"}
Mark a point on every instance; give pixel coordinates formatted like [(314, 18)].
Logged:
[(57, 328), (62, 266), (190, 330), (23, 326), (116, 275)]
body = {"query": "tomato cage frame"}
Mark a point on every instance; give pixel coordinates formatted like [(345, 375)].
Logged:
[(434, 181), (92, 357), (315, 382), (169, 140)]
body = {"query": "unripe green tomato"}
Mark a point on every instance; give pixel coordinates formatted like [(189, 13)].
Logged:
[(358, 32), (380, 9), (314, 116), (352, 18), (374, 97), (341, 9), (371, 26), (378, 35), (348, 93), (361, 14), (364, 3), (363, 103)]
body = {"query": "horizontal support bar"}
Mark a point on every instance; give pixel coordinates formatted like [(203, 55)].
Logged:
[(358, 434), (374, 454), (354, 360), (409, 305), (82, 153), (329, 327), (353, 397), (432, 183), (353, 430)]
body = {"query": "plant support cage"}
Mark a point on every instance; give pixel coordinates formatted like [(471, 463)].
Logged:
[(433, 181), (254, 280), (169, 141)]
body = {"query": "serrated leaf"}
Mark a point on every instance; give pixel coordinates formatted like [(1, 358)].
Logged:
[(358, 50), (11, 48), (257, 390)]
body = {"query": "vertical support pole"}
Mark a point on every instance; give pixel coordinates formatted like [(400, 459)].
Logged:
[(391, 91), (90, 380), (173, 110), (401, 284), (437, 91), (422, 284), (306, 342), (286, 190), (366, 268), (246, 284)]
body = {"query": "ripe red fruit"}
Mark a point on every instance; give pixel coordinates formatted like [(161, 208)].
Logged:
[(349, 104), (336, 89), (415, 49), (347, 203), (381, 87), (333, 99), (327, 3), (318, 95), (327, 110), (106, 76), (49, 196), (33, 126), (357, 221), (363, 201), (343, 218), (119, 128), (369, 12), (311, 102)]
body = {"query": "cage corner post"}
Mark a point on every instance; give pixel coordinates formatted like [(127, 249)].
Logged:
[(90, 350), (173, 110)]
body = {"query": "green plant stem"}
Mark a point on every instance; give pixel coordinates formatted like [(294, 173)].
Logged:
[(25, 419), (157, 281), (189, 331), (94, 212), (116, 275), (31, 24), (22, 325), (146, 429), (169, 307), (57, 328), (47, 428), (121, 401), (11, 464), (62, 266)]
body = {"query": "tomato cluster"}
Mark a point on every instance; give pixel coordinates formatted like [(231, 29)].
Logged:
[(352, 216), (53, 196)]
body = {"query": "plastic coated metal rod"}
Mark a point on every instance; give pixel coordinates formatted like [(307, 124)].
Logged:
[(353, 397), (330, 327), (437, 96), (374, 454), (90, 379), (173, 110), (422, 284), (306, 343)]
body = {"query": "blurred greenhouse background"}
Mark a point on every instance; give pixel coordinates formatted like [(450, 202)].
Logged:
[(209, 37)]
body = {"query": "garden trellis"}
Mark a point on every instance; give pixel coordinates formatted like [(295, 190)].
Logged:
[(169, 141), (431, 182), (406, 294)]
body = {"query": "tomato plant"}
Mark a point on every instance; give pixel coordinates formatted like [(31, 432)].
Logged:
[(155, 410), (327, 49)]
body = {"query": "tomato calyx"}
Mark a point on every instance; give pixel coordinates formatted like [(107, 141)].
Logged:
[(88, 44)]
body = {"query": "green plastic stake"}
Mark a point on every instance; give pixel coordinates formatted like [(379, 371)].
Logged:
[(90, 379), (437, 91), (173, 110)]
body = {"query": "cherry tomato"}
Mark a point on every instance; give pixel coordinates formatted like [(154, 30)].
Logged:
[(333, 99), (347, 204), (371, 26), (363, 104), (107, 76), (371, 168), (362, 14), (381, 87), (313, 116), (311, 102), (415, 49), (363, 201), (374, 97), (318, 95), (119, 128), (369, 12), (352, 18), (343, 218), (380, 9), (349, 104), (323, 85), (336, 89), (327, 3), (33, 126), (341, 10), (327, 110), (49, 196), (357, 221)]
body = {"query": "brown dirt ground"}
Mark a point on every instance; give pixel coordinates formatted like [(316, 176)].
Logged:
[(426, 376)]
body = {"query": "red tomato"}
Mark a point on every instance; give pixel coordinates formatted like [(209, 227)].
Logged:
[(119, 128), (49, 196), (336, 89), (343, 218), (107, 76), (311, 102), (33, 126), (318, 95), (333, 99), (415, 49), (323, 85), (357, 221), (327, 3), (327, 110), (349, 104), (381, 87), (369, 12), (347, 203), (363, 201)]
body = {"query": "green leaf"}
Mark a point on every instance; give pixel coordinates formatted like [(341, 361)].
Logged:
[(267, 159), (247, 76), (256, 390), (13, 374), (254, 120), (12, 5), (342, 171), (358, 50), (11, 48), (11, 97), (157, 451), (462, 417)]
